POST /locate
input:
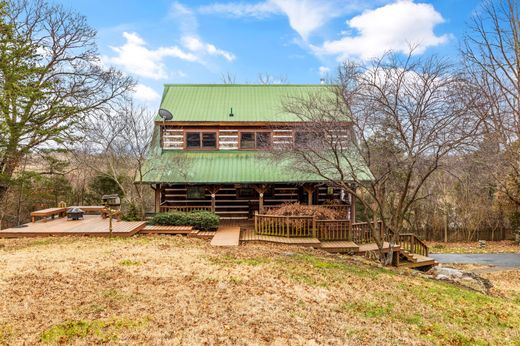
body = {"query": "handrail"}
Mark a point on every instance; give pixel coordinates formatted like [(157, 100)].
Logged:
[(411, 243)]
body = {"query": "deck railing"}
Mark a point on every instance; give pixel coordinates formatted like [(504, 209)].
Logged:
[(333, 229), (409, 242), (343, 210), (362, 233), (167, 208), (307, 226), (285, 226)]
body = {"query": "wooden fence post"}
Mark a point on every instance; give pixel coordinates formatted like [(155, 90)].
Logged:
[(314, 226), (287, 226)]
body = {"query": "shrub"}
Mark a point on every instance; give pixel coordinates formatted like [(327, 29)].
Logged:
[(297, 209), (132, 214), (200, 219)]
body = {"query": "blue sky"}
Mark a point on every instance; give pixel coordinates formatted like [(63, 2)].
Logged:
[(297, 41)]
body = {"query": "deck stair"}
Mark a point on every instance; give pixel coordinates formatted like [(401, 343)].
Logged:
[(159, 229), (413, 260)]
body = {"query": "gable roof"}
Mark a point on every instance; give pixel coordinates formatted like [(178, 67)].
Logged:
[(250, 102)]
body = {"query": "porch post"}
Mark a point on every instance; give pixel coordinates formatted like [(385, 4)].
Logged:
[(261, 190), (352, 208), (213, 191), (157, 197), (310, 191), (213, 204)]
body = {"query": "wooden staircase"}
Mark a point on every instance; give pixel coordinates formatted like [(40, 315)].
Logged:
[(412, 260), (414, 252)]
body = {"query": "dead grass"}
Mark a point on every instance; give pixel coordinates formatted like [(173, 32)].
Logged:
[(174, 290), (504, 246)]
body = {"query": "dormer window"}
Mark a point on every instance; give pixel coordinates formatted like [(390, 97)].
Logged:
[(201, 140)]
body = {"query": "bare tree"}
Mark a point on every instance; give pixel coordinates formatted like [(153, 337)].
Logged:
[(266, 78), (228, 78), (383, 130), (51, 79), (491, 53), (116, 145)]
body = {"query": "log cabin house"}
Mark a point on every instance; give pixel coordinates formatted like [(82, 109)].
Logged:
[(211, 154)]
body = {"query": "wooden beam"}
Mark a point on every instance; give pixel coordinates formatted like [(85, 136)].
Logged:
[(310, 191), (157, 198), (352, 208), (213, 189), (261, 190)]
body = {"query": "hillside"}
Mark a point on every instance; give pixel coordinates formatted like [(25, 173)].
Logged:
[(171, 290)]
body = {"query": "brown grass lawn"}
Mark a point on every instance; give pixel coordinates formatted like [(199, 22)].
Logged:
[(504, 246), (174, 290)]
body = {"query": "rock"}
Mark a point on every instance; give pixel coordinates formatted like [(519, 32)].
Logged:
[(461, 277), (450, 272), (442, 277)]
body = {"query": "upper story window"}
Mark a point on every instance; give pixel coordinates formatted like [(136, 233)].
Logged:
[(201, 140), (255, 140), (303, 138)]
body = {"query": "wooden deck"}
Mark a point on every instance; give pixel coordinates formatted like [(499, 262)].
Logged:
[(340, 246), (249, 235), (226, 236), (372, 247), (91, 225), (157, 229)]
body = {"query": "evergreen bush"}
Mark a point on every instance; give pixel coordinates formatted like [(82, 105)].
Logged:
[(200, 219)]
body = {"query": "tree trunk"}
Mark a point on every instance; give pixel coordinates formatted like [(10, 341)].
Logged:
[(446, 227)]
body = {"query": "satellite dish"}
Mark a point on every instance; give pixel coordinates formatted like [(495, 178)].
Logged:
[(165, 114)]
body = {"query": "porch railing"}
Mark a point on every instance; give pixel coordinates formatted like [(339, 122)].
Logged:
[(285, 226), (343, 210), (307, 226), (167, 208)]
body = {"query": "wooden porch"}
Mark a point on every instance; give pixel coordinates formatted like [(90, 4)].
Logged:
[(240, 201)]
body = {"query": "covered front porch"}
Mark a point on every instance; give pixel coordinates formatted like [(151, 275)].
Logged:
[(241, 201)]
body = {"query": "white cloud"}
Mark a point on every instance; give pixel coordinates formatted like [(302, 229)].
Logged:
[(194, 44), (259, 10), (145, 94), (184, 16), (136, 58), (394, 27), (324, 70), (190, 39), (305, 16)]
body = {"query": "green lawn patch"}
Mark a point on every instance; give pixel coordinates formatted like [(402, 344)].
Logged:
[(96, 330)]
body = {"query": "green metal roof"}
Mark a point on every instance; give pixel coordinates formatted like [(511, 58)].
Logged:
[(219, 167), (250, 102)]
